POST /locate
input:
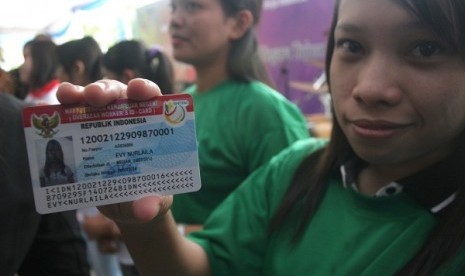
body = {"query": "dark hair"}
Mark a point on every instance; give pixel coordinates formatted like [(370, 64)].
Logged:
[(244, 62), (152, 64), (445, 18), (86, 50), (45, 62), (48, 162)]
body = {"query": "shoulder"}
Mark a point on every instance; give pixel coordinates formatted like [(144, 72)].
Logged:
[(260, 90), (10, 104), (283, 165), (261, 97), (10, 115), (296, 152), (271, 180)]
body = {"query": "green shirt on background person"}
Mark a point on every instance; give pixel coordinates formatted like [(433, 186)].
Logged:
[(239, 127)]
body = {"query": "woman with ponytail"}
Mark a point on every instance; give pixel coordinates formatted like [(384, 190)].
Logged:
[(129, 59)]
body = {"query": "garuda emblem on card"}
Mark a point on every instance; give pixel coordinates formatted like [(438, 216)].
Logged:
[(46, 124)]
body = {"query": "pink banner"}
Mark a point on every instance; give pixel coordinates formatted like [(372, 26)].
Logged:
[(292, 37)]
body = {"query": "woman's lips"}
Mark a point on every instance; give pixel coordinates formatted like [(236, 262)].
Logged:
[(177, 40), (377, 129)]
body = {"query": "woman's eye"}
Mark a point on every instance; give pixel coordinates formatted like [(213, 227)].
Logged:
[(192, 6), (427, 49), (350, 46)]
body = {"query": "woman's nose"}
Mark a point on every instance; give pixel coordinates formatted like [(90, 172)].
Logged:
[(378, 82), (176, 18)]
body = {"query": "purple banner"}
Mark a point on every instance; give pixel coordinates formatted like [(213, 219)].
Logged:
[(292, 37)]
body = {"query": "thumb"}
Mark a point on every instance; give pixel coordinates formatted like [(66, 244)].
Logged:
[(147, 208)]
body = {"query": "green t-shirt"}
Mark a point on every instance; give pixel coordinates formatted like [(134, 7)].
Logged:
[(239, 127), (350, 234)]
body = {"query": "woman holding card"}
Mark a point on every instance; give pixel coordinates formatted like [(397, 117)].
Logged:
[(241, 121), (385, 196)]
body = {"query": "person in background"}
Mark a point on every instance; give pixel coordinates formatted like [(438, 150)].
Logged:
[(384, 196), (20, 88), (80, 62), (241, 121), (38, 72), (31, 244), (6, 80), (7, 84), (131, 59)]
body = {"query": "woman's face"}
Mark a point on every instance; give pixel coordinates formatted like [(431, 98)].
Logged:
[(200, 32), (54, 152), (398, 90), (76, 75)]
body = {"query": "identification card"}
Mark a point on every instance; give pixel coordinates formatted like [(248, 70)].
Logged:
[(82, 156)]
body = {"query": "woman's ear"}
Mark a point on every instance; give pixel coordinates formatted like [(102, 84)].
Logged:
[(128, 74), (243, 21), (78, 73), (79, 68)]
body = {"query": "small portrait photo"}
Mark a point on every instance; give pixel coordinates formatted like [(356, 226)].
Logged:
[(56, 161)]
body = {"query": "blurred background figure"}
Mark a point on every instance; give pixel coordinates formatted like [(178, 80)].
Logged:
[(20, 88), (131, 59), (80, 63), (31, 244), (6, 82), (241, 121), (38, 72)]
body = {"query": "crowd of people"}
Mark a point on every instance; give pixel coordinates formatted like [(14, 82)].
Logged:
[(383, 195)]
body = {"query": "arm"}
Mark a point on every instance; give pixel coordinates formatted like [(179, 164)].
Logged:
[(160, 250), (146, 225)]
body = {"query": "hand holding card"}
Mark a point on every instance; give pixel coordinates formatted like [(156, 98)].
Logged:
[(110, 153)]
